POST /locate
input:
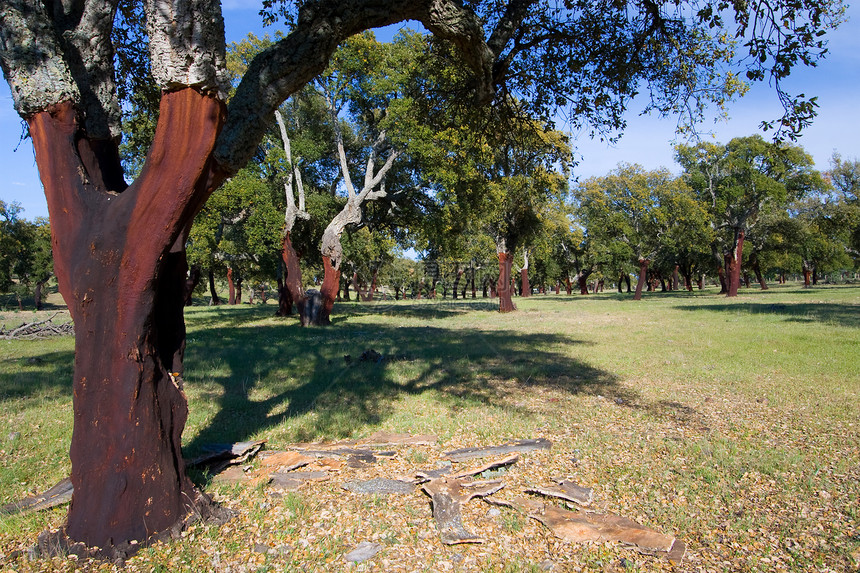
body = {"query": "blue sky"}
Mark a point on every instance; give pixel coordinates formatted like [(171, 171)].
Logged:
[(647, 139)]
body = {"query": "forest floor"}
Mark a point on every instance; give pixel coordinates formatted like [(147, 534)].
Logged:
[(732, 425)]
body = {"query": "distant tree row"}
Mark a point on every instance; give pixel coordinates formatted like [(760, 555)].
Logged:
[(26, 264)]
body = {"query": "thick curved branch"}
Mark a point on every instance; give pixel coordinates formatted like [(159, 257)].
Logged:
[(290, 63)]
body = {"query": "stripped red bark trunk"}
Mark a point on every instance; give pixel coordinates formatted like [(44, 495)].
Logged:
[(503, 288), (525, 287), (733, 264), (643, 276), (127, 472), (330, 286), (582, 281), (292, 291), (231, 287)]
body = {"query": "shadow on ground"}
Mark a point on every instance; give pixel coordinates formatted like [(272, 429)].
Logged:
[(841, 314), (256, 377), (40, 375)]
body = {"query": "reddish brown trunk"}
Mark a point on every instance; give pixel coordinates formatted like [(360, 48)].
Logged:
[(807, 278), (724, 285), (557, 288), (231, 287), (503, 286), (37, 294), (643, 275), (675, 280), (330, 286), (688, 281), (372, 286), (734, 265), (582, 281), (568, 285), (191, 283), (525, 287), (292, 291), (120, 264)]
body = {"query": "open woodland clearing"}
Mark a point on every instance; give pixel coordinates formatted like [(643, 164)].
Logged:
[(729, 423)]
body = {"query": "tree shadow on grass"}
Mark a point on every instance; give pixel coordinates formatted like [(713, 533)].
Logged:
[(257, 378), (36, 376), (425, 309), (839, 314)]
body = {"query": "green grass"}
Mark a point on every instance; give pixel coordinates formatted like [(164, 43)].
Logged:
[(731, 422)]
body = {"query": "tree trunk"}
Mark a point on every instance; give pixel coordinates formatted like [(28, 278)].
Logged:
[(734, 264), (120, 263), (215, 301), (759, 277), (675, 280), (643, 275), (328, 292), (37, 293), (503, 288), (688, 280), (457, 276), (701, 284), (292, 291), (231, 287), (721, 275), (582, 281), (525, 287), (191, 283)]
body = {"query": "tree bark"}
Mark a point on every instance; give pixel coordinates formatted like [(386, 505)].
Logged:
[(330, 286), (231, 287), (643, 276), (525, 287), (120, 263), (759, 277), (459, 273), (582, 281), (215, 301), (191, 283), (734, 264), (37, 293), (503, 288), (675, 280)]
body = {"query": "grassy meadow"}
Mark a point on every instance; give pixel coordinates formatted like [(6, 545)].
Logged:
[(733, 424)]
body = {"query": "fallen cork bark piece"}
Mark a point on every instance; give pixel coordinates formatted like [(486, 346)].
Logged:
[(381, 486), (231, 475), (57, 495), (218, 456), (464, 454), (291, 481), (568, 491), (284, 461), (379, 439), (448, 471), (506, 461), (580, 526), (448, 495)]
